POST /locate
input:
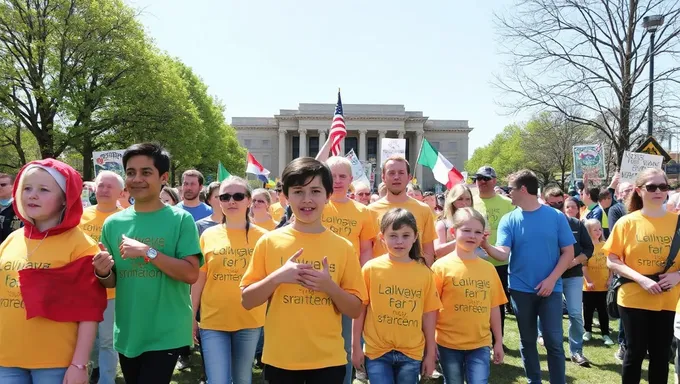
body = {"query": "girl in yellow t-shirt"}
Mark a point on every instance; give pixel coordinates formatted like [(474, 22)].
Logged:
[(596, 278), (398, 324), (229, 333), (637, 249), (472, 295), (259, 209)]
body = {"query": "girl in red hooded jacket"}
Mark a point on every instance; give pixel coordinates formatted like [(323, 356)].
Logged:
[(50, 300)]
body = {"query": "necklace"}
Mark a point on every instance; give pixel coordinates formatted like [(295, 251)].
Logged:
[(29, 254)]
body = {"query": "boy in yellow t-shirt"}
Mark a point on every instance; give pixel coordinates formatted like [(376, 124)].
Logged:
[(310, 276)]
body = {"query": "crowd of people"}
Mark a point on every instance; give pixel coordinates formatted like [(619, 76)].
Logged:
[(322, 281)]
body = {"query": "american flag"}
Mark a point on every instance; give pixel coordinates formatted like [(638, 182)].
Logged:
[(338, 129)]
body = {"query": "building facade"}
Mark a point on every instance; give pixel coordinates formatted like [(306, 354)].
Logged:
[(301, 132)]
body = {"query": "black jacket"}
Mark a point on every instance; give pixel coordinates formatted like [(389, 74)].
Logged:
[(9, 222), (583, 245)]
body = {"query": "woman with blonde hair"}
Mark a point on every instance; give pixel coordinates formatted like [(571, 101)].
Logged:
[(457, 197), (259, 210), (637, 249)]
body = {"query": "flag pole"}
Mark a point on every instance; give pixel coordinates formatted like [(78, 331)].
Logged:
[(420, 151)]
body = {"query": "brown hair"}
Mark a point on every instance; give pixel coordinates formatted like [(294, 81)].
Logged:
[(171, 192), (194, 173), (578, 205), (7, 176), (634, 202), (302, 171), (553, 192), (397, 158), (396, 218), (525, 178)]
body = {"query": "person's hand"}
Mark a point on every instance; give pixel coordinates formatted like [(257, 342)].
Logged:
[(590, 286), (131, 248), (291, 271), (358, 358), (615, 180), (195, 332), (102, 262), (498, 353), (75, 376), (428, 365), (650, 285), (318, 280), (545, 287), (485, 240), (669, 280)]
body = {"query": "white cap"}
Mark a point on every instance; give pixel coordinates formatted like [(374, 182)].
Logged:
[(56, 175)]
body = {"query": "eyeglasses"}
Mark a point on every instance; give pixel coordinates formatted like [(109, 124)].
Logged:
[(278, 190), (239, 196), (654, 187), (484, 178), (363, 194), (256, 201)]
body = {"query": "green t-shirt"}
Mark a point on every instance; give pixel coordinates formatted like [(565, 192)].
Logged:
[(153, 311), (494, 208)]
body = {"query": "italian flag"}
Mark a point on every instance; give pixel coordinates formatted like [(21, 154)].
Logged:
[(444, 172)]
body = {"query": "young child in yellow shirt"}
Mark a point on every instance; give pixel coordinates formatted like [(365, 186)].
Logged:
[(596, 278), (472, 297), (398, 324)]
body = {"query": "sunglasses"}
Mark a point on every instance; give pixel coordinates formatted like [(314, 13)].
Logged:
[(484, 178), (654, 187), (239, 196), (363, 194), (255, 201)]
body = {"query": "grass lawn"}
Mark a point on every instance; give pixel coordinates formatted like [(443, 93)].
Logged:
[(604, 368)]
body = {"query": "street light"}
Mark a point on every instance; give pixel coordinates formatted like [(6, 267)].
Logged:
[(651, 24)]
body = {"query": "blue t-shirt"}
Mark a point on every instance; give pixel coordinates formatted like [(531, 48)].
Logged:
[(535, 239), (198, 212)]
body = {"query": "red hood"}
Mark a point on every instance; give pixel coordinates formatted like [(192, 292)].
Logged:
[(74, 206)]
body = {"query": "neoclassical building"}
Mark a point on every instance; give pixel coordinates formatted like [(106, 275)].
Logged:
[(300, 132)]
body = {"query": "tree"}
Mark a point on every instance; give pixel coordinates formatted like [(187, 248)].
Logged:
[(60, 61), (504, 153), (588, 59)]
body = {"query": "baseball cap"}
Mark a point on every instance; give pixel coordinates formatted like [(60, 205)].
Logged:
[(486, 171)]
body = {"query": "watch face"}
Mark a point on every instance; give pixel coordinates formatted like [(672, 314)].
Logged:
[(152, 253)]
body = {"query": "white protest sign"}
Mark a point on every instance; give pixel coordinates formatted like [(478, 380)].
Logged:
[(358, 173), (109, 161), (392, 147), (633, 163)]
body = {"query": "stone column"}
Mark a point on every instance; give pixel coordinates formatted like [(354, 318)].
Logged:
[(362, 144), (322, 137), (303, 142), (282, 151), (378, 161), (418, 167), (401, 133)]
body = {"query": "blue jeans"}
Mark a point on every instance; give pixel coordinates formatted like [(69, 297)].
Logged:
[(228, 356), (573, 293), (32, 376), (622, 335), (103, 354), (472, 365), (393, 368), (528, 307), (347, 338)]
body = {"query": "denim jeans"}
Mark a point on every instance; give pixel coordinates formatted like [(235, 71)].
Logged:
[(622, 335), (32, 376), (573, 293), (347, 338), (229, 356), (528, 307), (103, 355), (465, 366), (393, 368)]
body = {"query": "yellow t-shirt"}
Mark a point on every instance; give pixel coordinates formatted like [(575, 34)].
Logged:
[(421, 211), (38, 342), (399, 294), (91, 222), (351, 220), (643, 244), (303, 327), (276, 211), (227, 254), (597, 270), (468, 289), (268, 225)]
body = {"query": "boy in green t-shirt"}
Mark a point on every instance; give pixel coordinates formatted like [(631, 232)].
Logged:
[(151, 255)]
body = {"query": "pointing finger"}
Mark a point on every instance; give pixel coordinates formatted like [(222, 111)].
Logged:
[(296, 255)]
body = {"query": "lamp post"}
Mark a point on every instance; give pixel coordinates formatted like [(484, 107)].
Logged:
[(651, 24)]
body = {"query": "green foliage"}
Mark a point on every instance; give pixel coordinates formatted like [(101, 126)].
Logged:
[(505, 153)]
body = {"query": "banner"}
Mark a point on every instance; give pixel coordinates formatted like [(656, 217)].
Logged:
[(370, 172), (392, 147), (109, 161), (589, 160), (633, 163), (357, 168)]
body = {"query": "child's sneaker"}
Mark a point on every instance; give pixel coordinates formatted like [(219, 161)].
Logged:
[(587, 336), (607, 340)]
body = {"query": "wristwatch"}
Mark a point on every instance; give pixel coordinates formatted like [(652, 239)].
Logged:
[(150, 255)]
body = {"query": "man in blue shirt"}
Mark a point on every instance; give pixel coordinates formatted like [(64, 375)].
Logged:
[(540, 245), (192, 183)]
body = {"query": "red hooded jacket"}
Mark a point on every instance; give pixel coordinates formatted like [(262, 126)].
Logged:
[(71, 293)]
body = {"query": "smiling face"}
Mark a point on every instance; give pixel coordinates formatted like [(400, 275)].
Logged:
[(469, 234), (234, 200), (142, 179), (307, 201), (108, 189), (259, 205), (399, 241), (571, 209), (41, 198)]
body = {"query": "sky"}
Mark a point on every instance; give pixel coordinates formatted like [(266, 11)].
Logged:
[(434, 56)]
